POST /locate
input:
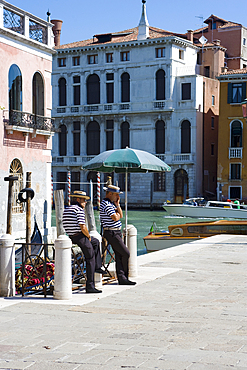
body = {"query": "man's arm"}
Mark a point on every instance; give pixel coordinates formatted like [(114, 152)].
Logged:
[(85, 231), (119, 213)]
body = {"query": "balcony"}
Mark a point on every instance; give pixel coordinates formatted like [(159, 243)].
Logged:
[(28, 123), (182, 158), (71, 160), (235, 152), (159, 104)]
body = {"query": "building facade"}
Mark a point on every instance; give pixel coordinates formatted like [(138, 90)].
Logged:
[(140, 88), (26, 49), (232, 156)]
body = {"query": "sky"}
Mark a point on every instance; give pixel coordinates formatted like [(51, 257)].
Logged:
[(83, 18)]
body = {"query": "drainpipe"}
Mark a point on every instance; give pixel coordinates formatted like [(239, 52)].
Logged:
[(203, 124)]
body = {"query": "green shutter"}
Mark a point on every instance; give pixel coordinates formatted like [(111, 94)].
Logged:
[(229, 94), (243, 91)]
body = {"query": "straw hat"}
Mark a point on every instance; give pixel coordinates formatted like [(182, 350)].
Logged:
[(113, 189), (79, 194)]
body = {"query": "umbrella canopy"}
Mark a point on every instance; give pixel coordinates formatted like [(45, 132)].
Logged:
[(132, 160), (124, 161)]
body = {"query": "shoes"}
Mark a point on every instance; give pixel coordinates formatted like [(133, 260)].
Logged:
[(93, 290), (126, 282), (100, 271)]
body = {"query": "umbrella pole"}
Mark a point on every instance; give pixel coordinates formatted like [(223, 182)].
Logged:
[(126, 223)]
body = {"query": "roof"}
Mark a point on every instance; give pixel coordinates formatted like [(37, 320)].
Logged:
[(234, 72), (225, 23), (117, 37)]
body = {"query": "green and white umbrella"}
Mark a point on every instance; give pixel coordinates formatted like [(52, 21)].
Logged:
[(125, 161)]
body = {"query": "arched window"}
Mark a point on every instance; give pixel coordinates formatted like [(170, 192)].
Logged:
[(38, 94), (185, 137), (93, 89), (160, 85), (62, 92), (236, 134), (125, 135), (15, 88), (160, 137), (63, 140), (16, 170), (93, 138), (125, 88)]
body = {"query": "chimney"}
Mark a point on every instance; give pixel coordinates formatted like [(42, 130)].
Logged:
[(216, 42), (143, 33), (57, 31), (189, 35)]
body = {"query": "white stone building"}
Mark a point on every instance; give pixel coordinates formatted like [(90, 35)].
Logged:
[(26, 49), (136, 88)]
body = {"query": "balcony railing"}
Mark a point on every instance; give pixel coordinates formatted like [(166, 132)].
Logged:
[(159, 104), (71, 160), (235, 152), (28, 120)]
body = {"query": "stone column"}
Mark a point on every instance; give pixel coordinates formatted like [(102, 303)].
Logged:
[(63, 279), (7, 266)]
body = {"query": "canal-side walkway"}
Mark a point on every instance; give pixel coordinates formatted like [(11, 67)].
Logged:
[(187, 311)]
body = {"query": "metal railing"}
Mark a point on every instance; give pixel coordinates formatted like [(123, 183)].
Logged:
[(29, 120), (235, 152)]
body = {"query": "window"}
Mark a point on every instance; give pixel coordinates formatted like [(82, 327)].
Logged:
[(61, 62), (212, 149), (236, 134), (121, 181), (62, 92), (93, 138), (185, 137), (213, 25), (125, 139), (125, 88), (92, 59), (213, 100), (236, 92), (76, 90), (244, 41), (207, 71), (181, 54), (125, 56), (186, 91), (75, 181), (62, 139), (109, 57), (17, 170), (109, 134), (159, 181), (109, 87), (160, 137), (76, 137), (76, 61), (15, 88), (235, 171), (61, 181), (38, 94), (160, 52), (93, 89), (160, 85), (212, 122)]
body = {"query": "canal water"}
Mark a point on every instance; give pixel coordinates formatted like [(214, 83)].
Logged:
[(143, 220)]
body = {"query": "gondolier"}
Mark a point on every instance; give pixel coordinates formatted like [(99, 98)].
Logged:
[(75, 226), (110, 215)]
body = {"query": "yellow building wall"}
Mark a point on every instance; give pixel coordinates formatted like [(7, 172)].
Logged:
[(229, 113)]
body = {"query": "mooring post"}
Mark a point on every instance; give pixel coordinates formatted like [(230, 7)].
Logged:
[(59, 207), (93, 232), (11, 180), (28, 212), (62, 278), (7, 266)]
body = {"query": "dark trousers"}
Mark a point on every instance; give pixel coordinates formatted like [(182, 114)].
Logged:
[(114, 237), (92, 255)]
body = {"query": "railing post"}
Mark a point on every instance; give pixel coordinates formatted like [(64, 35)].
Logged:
[(7, 266), (62, 278)]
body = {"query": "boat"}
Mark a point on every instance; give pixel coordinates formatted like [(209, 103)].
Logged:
[(185, 233), (196, 207)]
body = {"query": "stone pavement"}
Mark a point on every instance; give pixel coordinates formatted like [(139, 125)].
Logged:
[(188, 311)]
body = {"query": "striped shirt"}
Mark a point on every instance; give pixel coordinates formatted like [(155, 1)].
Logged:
[(73, 217), (107, 209)]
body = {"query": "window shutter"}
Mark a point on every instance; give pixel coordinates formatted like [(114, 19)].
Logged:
[(243, 91), (229, 94)]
